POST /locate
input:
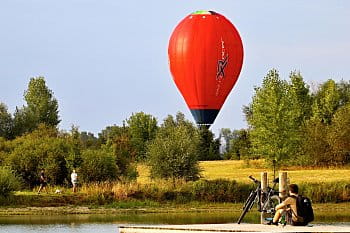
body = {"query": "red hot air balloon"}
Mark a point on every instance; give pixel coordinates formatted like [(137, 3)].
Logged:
[(205, 58)]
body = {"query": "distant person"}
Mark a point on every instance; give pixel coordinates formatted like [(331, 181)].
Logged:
[(74, 179), (42, 181), (296, 206)]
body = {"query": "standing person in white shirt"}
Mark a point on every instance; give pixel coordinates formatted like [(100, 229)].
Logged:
[(74, 179)]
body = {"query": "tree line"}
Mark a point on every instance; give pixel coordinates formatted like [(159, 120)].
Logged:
[(288, 124), (30, 140), (291, 124)]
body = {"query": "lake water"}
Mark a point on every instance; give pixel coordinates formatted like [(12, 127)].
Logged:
[(109, 223)]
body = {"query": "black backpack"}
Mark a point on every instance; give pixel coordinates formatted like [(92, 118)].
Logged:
[(304, 209)]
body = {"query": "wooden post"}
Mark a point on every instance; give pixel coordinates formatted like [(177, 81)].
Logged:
[(264, 184), (283, 185)]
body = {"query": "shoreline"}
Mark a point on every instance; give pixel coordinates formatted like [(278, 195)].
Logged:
[(342, 208)]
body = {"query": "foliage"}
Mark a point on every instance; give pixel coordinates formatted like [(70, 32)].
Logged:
[(88, 140), (75, 145), (208, 147), (300, 98), (22, 121), (344, 92), (41, 149), (42, 108), (220, 190), (239, 145), (118, 141), (6, 122), (41, 103), (110, 132), (323, 192), (173, 153), (125, 157), (326, 133), (326, 102), (8, 181), (142, 128), (98, 166), (3, 154), (339, 135), (276, 117)]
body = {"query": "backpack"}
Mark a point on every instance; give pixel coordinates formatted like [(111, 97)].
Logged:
[(304, 209)]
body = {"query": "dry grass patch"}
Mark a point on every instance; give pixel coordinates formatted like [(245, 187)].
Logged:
[(240, 170)]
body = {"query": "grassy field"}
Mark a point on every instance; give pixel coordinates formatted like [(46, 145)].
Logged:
[(240, 170)]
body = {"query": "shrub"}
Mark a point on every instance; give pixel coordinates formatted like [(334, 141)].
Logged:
[(30, 155), (173, 154), (8, 181), (220, 190), (98, 166), (326, 192)]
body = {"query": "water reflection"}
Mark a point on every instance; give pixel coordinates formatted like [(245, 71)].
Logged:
[(149, 218), (156, 218), (108, 223), (61, 228)]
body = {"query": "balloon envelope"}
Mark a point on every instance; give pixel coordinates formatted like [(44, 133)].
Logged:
[(205, 58)]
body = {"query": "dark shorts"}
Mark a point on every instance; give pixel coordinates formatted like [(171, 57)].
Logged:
[(43, 184)]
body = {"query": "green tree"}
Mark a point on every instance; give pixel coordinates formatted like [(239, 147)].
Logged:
[(89, 141), (208, 147), (42, 108), (124, 157), (73, 157), (110, 132), (179, 119), (143, 128), (344, 89), (173, 153), (317, 150), (272, 120), (41, 149), (3, 150), (22, 121), (323, 138), (339, 136), (326, 102), (117, 140), (5, 122), (300, 98), (41, 102), (98, 166), (240, 145)]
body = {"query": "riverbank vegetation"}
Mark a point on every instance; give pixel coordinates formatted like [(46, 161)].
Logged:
[(290, 127), (158, 193)]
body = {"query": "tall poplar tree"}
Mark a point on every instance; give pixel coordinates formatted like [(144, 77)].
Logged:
[(42, 108), (275, 117), (41, 103)]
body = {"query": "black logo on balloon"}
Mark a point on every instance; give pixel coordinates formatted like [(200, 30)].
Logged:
[(221, 68)]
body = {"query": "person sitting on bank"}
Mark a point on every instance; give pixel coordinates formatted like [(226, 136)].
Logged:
[(288, 205)]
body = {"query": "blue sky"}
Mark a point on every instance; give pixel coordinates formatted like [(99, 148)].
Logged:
[(107, 59)]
